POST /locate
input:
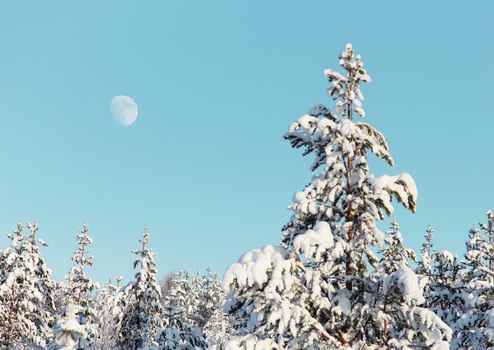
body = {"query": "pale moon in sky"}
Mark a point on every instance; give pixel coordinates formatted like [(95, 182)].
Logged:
[(124, 110)]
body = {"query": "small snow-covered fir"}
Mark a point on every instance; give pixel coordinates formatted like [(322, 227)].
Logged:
[(179, 330)]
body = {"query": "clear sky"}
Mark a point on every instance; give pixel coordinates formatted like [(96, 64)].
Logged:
[(217, 84)]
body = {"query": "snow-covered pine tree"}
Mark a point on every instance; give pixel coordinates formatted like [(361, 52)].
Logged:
[(82, 289), (439, 278), (396, 298), (141, 319), (165, 285), (179, 332), (26, 300), (394, 254), (197, 311), (41, 276), (444, 293), (315, 291), (41, 270), (16, 292), (68, 331), (205, 297), (108, 316), (424, 268), (61, 297), (268, 301), (217, 328), (475, 328)]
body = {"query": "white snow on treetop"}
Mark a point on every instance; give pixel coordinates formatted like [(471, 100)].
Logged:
[(254, 266)]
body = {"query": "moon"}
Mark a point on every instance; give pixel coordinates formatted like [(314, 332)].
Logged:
[(124, 110)]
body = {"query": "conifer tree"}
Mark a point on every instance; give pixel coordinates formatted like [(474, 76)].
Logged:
[(206, 295), (475, 327), (14, 298), (217, 330), (316, 290), (196, 299), (81, 288), (217, 327), (444, 294), (397, 302), (424, 265), (26, 300), (394, 254), (68, 331), (108, 316), (141, 319), (40, 274), (179, 332), (440, 278)]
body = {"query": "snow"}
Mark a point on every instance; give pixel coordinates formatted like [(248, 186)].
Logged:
[(314, 242), (342, 304), (402, 186), (250, 342), (68, 330), (408, 283), (70, 324), (441, 346), (308, 121), (393, 182), (257, 266), (447, 255), (333, 75)]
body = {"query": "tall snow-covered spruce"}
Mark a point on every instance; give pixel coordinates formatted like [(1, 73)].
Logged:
[(320, 289), (218, 327), (474, 326), (424, 265), (26, 292), (142, 312), (108, 315), (82, 289), (180, 331)]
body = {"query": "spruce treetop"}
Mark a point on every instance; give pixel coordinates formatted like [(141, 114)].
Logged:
[(345, 89), (80, 257), (343, 192)]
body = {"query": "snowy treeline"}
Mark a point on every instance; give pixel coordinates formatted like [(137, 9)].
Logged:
[(180, 312), (335, 281)]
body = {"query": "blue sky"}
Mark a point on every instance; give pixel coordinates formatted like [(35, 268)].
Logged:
[(217, 84)]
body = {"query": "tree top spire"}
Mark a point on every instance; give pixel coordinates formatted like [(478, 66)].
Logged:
[(344, 88)]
